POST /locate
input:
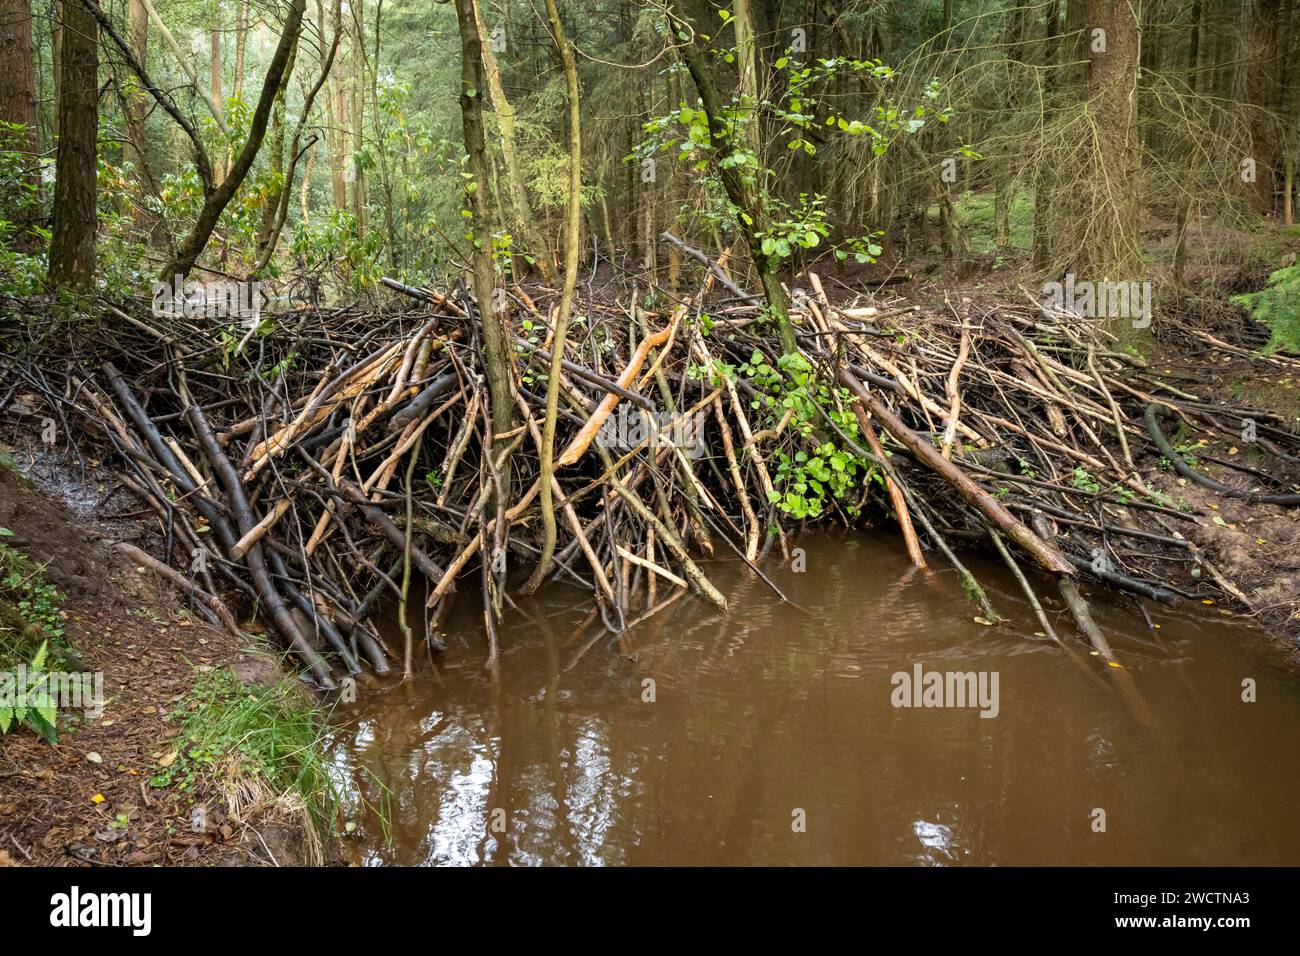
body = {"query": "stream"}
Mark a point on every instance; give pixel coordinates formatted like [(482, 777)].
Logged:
[(770, 735)]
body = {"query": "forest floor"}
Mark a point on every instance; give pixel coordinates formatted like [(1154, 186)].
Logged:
[(93, 797)]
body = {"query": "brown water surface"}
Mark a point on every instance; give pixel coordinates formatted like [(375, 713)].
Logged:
[(769, 716)]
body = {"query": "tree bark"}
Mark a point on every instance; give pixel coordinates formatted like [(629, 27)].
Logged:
[(752, 220), (241, 42), (72, 248), (1042, 178), (135, 99), (358, 113), (1262, 87), (215, 85), (571, 250), (506, 113), (496, 344), (1109, 246), (18, 78), (332, 114), (18, 105)]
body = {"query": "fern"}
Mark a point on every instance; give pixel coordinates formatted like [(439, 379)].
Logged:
[(1278, 307), (29, 701)]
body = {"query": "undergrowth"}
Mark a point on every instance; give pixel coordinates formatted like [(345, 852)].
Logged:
[(31, 643), (1277, 305), (30, 609), (263, 747)]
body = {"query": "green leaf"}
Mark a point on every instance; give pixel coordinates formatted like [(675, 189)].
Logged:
[(44, 727)]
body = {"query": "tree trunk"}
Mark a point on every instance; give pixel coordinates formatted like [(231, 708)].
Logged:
[(332, 116), (571, 250), (72, 248), (275, 161), (18, 78), (496, 344), (1042, 176), (506, 113), (1290, 97), (1262, 86), (241, 42), (215, 84), (753, 221), (18, 105), (358, 113), (1109, 239), (136, 100)]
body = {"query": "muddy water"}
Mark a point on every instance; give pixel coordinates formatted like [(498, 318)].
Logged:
[(772, 737)]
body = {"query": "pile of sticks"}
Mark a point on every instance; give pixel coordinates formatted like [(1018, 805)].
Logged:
[(329, 466)]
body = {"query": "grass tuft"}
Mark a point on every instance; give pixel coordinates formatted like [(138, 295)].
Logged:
[(263, 747)]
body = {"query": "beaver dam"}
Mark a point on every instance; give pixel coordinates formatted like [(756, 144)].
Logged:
[(374, 450)]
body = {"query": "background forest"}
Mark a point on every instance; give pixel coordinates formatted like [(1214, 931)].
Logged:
[(320, 143)]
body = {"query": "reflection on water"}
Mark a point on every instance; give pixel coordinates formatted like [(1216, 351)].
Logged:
[(768, 737)]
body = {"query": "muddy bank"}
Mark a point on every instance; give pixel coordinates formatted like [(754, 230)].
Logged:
[(92, 798)]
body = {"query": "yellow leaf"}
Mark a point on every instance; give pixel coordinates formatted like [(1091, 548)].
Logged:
[(97, 798), (168, 760)]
